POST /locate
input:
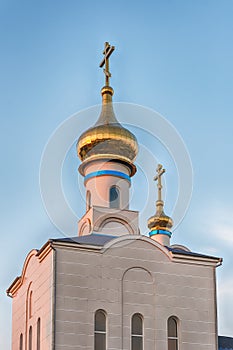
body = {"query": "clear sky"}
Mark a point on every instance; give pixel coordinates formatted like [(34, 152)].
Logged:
[(174, 57)]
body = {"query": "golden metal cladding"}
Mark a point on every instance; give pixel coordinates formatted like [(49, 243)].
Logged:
[(107, 138), (160, 221)]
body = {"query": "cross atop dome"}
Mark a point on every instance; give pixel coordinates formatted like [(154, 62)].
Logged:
[(108, 50), (160, 224), (160, 171)]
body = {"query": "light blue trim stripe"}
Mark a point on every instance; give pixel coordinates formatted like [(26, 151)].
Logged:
[(107, 172), (160, 232)]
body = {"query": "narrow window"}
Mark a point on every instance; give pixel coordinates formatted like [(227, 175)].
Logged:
[(172, 333), (88, 200), (114, 197), (136, 332), (38, 334), (21, 342), (100, 330), (30, 338)]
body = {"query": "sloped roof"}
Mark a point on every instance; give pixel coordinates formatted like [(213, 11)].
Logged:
[(99, 240), (189, 253), (93, 239), (225, 343)]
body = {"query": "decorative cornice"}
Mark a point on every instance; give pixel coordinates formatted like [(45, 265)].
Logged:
[(41, 255)]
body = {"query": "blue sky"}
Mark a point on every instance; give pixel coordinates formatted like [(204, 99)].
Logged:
[(174, 57)]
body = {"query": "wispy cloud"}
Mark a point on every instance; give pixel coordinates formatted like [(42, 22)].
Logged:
[(218, 222)]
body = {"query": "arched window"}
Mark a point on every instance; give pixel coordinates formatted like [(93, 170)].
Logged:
[(30, 338), (38, 334), (88, 200), (114, 197), (21, 342), (137, 332), (100, 330), (172, 330)]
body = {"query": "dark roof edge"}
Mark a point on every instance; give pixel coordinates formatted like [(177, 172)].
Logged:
[(44, 246), (225, 342), (190, 253)]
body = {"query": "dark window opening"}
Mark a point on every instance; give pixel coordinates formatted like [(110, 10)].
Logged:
[(100, 330), (114, 197), (30, 338), (38, 334), (137, 332), (172, 333), (21, 342)]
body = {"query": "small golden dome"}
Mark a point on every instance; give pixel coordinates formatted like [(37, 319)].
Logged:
[(160, 221), (108, 138)]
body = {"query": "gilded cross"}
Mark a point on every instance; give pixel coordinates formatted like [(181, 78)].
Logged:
[(160, 171), (108, 50)]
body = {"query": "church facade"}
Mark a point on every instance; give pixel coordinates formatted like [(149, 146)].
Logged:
[(111, 287)]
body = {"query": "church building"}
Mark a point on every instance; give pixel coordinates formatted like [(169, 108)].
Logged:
[(109, 287)]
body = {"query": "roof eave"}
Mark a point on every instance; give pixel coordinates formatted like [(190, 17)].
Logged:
[(195, 259)]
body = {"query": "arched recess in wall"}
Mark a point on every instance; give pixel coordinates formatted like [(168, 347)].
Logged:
[(85, 227), (105, 222), (88, 200), (114, 197), (29, 311), (29, 301), (30, 304), (138, 294)]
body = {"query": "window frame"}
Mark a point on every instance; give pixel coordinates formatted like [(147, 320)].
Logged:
[(132, 335), (96, 332), (117, 200), (174, 318)]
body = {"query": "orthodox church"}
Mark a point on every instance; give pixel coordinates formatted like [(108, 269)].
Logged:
[(111, 288)]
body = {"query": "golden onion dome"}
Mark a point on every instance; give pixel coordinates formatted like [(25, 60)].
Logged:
[(107, 138), (160, 221)]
